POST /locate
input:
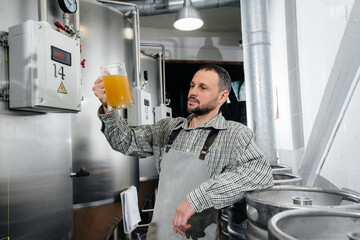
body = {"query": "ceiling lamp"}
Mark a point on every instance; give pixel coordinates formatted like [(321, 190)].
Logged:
[(188, 18)]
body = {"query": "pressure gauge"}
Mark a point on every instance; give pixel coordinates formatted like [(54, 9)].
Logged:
[(68, 6)]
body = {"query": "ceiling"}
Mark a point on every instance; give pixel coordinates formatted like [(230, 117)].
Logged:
[(225, 19)]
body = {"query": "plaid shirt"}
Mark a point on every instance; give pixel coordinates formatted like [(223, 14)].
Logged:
[(235, 163)]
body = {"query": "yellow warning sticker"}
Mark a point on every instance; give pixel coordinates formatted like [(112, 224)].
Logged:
[(62, 89)]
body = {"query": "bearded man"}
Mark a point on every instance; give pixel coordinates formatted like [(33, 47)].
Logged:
[(205, 162)]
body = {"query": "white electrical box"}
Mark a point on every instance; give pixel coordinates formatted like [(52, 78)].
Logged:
[(45, 72), (162, 112), (141, 113)]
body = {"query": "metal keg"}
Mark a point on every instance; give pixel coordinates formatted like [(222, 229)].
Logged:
[(237, 220), (315, 224), (285, 178), (262, 205), (277, 168), (237, 228), (224, 213)]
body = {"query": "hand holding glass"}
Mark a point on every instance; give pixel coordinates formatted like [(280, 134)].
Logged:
[(117, 87)]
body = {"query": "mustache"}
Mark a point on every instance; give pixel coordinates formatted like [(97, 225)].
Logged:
[(192, 97)]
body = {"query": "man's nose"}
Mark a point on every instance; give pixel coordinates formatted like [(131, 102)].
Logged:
[(192, 91)]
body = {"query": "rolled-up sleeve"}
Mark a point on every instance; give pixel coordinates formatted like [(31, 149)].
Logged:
[(251, 171)]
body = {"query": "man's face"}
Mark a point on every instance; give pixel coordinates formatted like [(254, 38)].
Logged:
[(203, 93)]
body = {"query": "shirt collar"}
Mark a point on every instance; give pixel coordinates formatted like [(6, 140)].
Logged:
[(217, 122)]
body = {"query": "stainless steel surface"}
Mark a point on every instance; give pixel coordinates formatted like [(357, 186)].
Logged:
[(35, 187), (262, 205), (281, 168), (35, 158), (302, 201), (147, 168), (103, 42), (161, 69), (314, 224), (257, 69), (353, 235), (133, 13), (286, 179)]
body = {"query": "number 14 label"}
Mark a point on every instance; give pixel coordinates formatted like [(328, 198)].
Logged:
[(59, 72)]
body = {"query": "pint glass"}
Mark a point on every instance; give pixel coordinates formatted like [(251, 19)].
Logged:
[(117, 87)]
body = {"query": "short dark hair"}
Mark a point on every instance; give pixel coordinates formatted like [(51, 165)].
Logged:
[(224, 77)]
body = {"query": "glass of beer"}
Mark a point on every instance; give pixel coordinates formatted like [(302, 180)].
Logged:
[(117, 87)]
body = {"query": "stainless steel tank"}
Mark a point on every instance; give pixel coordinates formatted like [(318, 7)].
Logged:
[(107, 37), (262, 205), (315, 224), (38, 151), (35, 157), (150, 72)]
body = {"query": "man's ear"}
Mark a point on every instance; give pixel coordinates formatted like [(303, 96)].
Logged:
[(223, 96)]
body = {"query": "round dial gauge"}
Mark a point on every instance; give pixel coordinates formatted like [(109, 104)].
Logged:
[(68, 6)]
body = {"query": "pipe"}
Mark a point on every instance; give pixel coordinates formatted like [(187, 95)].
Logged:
[(162, 69), (149, 8), (136, 29), (257, 69), (42, 10), (77, 21)]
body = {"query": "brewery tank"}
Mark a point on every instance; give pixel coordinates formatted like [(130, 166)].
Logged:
[(35, 156), (107, 37), (40, 150)]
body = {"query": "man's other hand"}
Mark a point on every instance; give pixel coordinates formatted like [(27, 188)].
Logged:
[(182, 214)]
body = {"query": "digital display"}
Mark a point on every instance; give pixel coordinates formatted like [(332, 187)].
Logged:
[(60, 56), (146, 102)]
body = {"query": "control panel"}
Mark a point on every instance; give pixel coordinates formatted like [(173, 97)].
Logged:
[(162, 112), (141, 113), (45, 69)]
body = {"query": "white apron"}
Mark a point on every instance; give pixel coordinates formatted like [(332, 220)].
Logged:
[(181, 172)]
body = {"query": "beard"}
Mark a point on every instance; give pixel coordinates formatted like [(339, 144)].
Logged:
[(198, 111)]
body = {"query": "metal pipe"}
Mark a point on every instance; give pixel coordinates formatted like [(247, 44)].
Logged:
[(149, 8), (257, 69), (77, 21), (42, 10), (162, 69), (136, 29)]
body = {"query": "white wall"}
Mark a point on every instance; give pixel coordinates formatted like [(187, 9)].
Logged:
[(196, 45), (285, 75), (320, 27)]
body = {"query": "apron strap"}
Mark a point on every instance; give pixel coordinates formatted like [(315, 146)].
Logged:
[(209, 141), (173, 135)]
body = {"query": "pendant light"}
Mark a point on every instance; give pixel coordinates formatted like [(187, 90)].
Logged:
[(188, 18)]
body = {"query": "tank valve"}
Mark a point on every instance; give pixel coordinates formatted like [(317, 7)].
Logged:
[(81, 173), (300, 200), (83, 63)]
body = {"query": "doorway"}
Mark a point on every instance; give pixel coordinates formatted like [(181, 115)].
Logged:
[(179, 74)]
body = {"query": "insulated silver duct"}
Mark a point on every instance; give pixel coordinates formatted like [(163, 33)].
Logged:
[(158, 7), (257, 69)]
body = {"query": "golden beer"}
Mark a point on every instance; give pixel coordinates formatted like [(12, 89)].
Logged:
[(118, 92), (117, 87)]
